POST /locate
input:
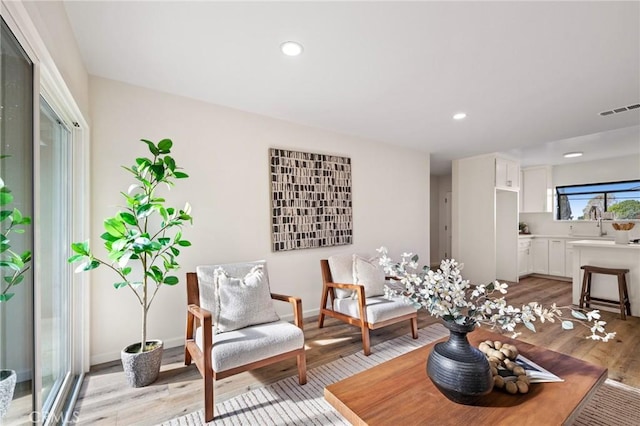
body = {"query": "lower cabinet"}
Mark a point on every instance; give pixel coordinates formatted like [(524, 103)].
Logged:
[(556, 257), (551, 256), (540, 250), (525, 257), (568, 261)]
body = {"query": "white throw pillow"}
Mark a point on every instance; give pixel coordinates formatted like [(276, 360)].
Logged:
[(241, 301), (341, 267), (369, 273)]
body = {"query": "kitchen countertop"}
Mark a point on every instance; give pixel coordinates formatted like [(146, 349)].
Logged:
[(603, 244), (568, 236)]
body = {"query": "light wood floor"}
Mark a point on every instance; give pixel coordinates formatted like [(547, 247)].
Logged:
[(106, 399)]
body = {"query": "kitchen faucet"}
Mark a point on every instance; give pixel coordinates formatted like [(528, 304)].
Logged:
[(599, 225), (595, 214)]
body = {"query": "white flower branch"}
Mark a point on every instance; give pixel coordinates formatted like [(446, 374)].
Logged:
[(444, 293)]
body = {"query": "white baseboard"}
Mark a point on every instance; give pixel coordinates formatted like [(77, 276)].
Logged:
[(114, 356)]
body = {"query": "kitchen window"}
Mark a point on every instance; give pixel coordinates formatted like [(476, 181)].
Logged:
[(611, 200)]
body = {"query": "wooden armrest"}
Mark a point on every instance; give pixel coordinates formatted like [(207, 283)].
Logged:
[(200, 313), (296, 303), (359, 289), (204, 317), (285, 298), (344, 286)]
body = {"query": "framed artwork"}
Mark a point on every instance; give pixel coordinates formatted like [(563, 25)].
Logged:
[(311, 202)]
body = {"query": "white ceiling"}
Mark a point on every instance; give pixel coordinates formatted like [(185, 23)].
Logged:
[(526, 73)]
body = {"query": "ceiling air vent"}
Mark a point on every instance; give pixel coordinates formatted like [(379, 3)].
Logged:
[(619, 110)]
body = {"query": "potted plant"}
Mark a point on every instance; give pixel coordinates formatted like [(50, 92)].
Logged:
[(142, 242), (13, 266)]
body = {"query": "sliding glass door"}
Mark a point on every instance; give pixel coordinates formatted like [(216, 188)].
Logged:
[(54, 280), (16, 173), (41, 335)]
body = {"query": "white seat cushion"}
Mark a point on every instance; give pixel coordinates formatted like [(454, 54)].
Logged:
[(378, 308), (250, 344)]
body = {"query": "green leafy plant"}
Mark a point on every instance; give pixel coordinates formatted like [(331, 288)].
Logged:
[(11, 221), (144, 239), (627, 209)]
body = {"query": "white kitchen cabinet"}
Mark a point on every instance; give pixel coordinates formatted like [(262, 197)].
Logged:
[(484, 231), (507, 173), (536, 190), (548, 255), (525, 258), (568, 258), (556, 257), (568, 261), (540, 253)]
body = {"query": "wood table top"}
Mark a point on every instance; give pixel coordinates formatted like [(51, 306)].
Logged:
[(400, 392)]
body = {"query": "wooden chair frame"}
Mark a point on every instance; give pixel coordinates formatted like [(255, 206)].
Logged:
[(202, 358), (328, 293)]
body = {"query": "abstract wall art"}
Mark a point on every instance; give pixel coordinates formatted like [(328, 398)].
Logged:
[(311, 203)]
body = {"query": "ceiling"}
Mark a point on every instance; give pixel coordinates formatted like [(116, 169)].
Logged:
[(531, 76)]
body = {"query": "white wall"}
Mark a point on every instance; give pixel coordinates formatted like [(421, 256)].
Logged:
[(608, 170), (225, 152), (473, 217), (52, 24)]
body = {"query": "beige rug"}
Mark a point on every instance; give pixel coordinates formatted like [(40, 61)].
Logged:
[(287, 403)]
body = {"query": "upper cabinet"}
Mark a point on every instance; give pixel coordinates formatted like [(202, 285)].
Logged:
[(536, 190), (507, 173)]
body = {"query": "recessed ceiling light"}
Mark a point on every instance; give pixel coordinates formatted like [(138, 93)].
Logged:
[(291, 48), (572, 154), (459, 116)]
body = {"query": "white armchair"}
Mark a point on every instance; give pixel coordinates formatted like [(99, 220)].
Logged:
[(353, 289), (232, 326)]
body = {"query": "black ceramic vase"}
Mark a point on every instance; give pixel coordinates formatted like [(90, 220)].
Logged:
[(460, 371)]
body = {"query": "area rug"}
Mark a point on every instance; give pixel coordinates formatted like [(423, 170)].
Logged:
[(287, 403)]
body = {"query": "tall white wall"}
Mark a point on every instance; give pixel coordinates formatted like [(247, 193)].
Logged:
[(473, 223), (225, 152)]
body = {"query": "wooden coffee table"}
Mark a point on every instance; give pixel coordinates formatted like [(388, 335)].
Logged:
[(399, 392)]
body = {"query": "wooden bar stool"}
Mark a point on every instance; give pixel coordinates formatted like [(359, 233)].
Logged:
[(623, 300)]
